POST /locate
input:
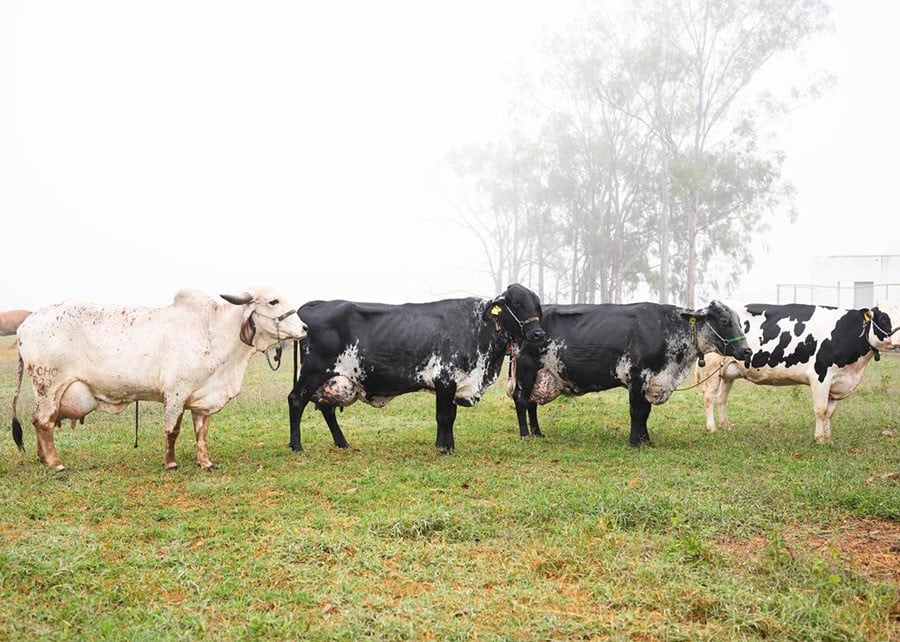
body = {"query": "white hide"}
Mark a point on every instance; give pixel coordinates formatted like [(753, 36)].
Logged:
[(838, 382), (188, 355)]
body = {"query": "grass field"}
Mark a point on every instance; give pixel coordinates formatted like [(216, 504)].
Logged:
[(749, 534)]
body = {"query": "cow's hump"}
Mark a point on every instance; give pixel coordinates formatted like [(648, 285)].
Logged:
[(195, 299)]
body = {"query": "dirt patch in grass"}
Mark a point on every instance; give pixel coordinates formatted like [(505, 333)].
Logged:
[(869, 547)]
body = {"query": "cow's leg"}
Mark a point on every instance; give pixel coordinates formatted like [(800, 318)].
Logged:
[(526, 375), (201, 425), (521, 416), (297, 401), (46, 450), (172, 420), (333, 426), (711, 389), (832, 406), (820, 406), (445, 415), (533, 419), (639, 409), (44, 419), (722, 403)]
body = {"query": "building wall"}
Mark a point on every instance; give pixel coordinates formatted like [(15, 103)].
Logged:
[(847, 281), (831, 270)]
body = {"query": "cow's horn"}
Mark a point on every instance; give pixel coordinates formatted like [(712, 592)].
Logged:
[(241, 299)]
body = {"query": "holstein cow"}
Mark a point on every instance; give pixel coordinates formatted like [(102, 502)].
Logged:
[(191, 355), (825, 348), (647, 348), (373, 352), (10, 320)]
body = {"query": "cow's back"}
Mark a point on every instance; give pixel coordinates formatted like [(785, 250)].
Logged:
[(405, 331), (111, 348), (391, 349), (594, 342)]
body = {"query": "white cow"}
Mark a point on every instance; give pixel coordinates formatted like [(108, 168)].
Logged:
[(825, 348), (191, 355)]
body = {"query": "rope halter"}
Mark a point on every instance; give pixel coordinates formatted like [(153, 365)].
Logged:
[(725, 342), (278, 345)]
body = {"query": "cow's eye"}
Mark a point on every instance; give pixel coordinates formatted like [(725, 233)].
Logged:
[(273, 302)]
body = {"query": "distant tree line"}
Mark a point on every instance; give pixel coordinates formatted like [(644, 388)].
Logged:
[(647, 164)]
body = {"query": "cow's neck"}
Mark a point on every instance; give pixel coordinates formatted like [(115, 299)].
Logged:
[(226, 342), (493, 343)]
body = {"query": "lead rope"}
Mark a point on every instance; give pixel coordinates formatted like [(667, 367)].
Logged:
[(512, 361), (715, 372), (135, 424), (277, 358)]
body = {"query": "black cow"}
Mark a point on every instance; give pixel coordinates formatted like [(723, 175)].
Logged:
[(646, 347), (374, 352)]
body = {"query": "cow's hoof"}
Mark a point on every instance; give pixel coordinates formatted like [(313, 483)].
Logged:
[(445, 451), (538, 434), (343, 444), (60, 468), (170, 467), (209, 468)]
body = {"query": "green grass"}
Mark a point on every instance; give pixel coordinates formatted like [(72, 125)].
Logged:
[(749, 534)]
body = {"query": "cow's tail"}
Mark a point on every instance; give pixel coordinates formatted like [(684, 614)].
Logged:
[(16, 426)]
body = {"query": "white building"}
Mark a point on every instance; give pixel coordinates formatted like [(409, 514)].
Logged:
[(847, 282)]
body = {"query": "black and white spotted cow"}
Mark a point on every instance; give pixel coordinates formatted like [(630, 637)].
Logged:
[(373, 352), (825, 348), (647, 348)]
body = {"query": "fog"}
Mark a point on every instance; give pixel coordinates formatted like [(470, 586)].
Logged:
[(146, 147)]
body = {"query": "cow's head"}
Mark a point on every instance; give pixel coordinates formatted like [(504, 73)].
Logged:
[(267, 318), (517, 313), (883, 325), (721, 331)]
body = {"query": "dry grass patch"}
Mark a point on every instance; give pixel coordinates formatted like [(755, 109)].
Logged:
[(869, 547)]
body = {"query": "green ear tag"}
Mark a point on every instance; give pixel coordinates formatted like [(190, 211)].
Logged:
[(496, 310)]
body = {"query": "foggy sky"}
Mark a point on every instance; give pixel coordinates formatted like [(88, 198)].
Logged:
[(146, 147)]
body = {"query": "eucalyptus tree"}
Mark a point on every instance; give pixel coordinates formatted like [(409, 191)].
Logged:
[(507, 209), (693, 64)]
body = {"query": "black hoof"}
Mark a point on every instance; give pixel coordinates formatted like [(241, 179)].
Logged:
[(444, 451), (296, 449)]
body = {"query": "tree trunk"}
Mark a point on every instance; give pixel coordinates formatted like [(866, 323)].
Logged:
[(692, 251), (664, 235)]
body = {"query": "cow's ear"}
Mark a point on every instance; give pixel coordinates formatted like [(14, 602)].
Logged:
[(702, 313), (493, 309), (248, 330)]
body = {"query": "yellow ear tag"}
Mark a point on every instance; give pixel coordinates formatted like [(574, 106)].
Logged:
[(867, 315), (496, 310)]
